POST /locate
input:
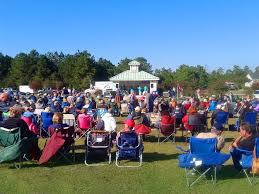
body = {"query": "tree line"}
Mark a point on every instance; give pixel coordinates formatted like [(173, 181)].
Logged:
[(56, 70)]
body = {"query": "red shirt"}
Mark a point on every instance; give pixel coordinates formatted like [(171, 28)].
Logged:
[(167, 119)]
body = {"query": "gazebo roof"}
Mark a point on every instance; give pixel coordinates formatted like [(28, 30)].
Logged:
[(134, 76)]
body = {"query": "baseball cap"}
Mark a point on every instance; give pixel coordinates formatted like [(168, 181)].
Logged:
[(129, 122)]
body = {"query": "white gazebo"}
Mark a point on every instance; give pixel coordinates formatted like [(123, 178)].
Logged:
[(133, 78)]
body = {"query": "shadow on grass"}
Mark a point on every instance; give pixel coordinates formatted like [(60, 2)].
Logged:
[(229, 172), (55, 161), (229, 139), (154, 156)]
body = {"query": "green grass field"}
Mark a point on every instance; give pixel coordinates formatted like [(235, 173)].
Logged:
[(159, 174)]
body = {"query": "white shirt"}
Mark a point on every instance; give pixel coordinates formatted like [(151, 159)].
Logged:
[(109, 122)]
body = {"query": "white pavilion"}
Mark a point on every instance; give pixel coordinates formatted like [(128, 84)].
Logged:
[(133, 78)]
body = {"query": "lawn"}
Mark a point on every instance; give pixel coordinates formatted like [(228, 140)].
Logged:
[(159, 174)]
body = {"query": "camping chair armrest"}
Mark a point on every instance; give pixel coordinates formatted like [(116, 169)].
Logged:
[(244, 152), (121, 147), (97, 146), (182, 150)]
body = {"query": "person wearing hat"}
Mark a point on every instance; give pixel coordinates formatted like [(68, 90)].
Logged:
[(139, 117), (216, 131), (129, 125)]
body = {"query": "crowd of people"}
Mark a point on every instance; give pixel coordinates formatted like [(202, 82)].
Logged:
[(148, 111)]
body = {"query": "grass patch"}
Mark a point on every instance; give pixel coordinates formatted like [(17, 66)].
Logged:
[(159, 174)]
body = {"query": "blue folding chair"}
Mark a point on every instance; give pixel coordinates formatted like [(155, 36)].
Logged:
[(250, 118), (245, 159), (46, 121), (222, 118), (129, 147), (201, 158)]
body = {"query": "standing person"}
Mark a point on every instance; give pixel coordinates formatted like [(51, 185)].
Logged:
[(149, 102), (118, 96), (132, 103), (145, 89), (139, 90)]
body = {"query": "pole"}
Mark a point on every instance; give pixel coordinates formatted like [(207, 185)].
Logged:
[(177, 91)]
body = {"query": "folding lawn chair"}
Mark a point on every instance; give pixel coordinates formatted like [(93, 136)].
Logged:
[(38, 111), (12, 146), (202, 158), (124, 109), (84, 124), (167, 130), (197, 121), (250, 118), (46, 121), (129, 147), (246, 159), (222, 118), (98, 143), (60, 143), (69, 119)]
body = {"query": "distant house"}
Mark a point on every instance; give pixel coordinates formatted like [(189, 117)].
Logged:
[(253, 77)]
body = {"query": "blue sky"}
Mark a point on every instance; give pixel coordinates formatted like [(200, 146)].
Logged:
[(213, 33)]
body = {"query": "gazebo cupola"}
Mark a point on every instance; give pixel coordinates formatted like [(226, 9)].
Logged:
[(134, 66)]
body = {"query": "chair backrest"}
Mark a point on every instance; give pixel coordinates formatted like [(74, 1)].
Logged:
[(250, 117), (128, 139), (84, 121), (199, 146), (69, 119), (9, 136), (167, 129), (38, 111), (46, 118), (98, 138), (257, 147), (196, 119), (124, 108), (222, 117), (28, 120)]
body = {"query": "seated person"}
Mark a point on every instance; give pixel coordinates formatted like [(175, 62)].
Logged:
[(109, 123), (57, 120), (129, 125), (15, 121), (66, 110), (215, 132), (191, 111), (154, 117), (246, 141), (166, 118), (139, 117)]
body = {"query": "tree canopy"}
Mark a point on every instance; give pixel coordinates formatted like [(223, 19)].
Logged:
[(78, 70)]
